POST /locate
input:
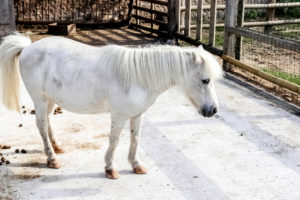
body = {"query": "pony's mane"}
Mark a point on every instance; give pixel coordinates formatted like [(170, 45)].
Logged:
[(157, 65)]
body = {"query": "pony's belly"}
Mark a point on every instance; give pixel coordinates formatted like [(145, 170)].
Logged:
[(81, 102)]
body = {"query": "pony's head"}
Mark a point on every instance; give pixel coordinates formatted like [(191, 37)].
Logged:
[(199, 83)]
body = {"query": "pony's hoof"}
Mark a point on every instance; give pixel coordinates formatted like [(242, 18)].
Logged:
[(112, 174), (54, 164), (140, 170), (58, 149)]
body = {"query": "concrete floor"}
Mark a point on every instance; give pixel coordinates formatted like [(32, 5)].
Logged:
[(249, 151)]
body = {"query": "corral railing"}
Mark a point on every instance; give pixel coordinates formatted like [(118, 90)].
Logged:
[(221, 29), (282, 54), (70, 11)]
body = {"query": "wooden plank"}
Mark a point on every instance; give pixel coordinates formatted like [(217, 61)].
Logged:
[(229, 38), (270, 16), (251, 6), (172, 17), (177, 15), (258, 36), (212, 24), (283, 83), (4, 12), (12, 21), (187, 20), (272, 5), (150, 20), (277, 22), (199, 23), (204, 26), (163, 3), (240, 23), (205, 7), (149, 11)]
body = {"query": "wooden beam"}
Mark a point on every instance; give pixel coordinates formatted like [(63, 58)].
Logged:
[(163, 3), (150, 20), (229, 38), (240, 23), (258, 36), (149, 10), (187, 20), (277, 22), (172, 17), (270, 16), (272, 5), (199, 22), (212, 27)]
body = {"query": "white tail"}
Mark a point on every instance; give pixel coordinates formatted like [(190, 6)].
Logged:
[(10, 50)]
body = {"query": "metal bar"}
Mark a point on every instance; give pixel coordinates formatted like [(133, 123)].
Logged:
[(264, 75), (199, 23), (149, 10), (275, 41), (187, 20)]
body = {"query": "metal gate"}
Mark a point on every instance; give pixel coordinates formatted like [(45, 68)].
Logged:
[(70, 11)]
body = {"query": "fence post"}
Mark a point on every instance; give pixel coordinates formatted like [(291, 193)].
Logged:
[(187, 20), (172, 18), (7, 18), (199, 20), (229, 38), (177, 16), (212, 24), (240, 22), (270, 16)]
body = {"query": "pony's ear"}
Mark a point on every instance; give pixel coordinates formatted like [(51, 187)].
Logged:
[(200, 47), (195, 58)]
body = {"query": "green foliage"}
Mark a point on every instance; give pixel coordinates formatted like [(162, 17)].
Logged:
[(292, 12), (254, 14), (283, 75)]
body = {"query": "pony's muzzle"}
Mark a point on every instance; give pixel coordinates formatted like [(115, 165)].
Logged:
[(207, 111)]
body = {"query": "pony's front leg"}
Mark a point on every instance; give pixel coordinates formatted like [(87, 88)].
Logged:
[(117, 123), (135, 127), (41, 108)]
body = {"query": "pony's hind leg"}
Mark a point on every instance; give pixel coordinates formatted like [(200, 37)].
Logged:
[(41, 109), (55, 143), (135, 127), (117, 123)]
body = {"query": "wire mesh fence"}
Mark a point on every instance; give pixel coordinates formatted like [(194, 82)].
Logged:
[(76, 11), (281, 22)]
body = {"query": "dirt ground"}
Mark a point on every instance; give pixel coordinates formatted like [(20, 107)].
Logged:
[(100, 37)]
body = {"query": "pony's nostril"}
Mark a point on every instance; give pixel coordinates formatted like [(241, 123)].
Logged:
[(214, 110)]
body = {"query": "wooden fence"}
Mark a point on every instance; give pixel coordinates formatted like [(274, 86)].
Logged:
[(181, 25)]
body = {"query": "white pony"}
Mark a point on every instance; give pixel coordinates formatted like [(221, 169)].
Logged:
[(86, 79)]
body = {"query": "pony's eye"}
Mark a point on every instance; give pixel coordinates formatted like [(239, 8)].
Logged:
[(205, 81)]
